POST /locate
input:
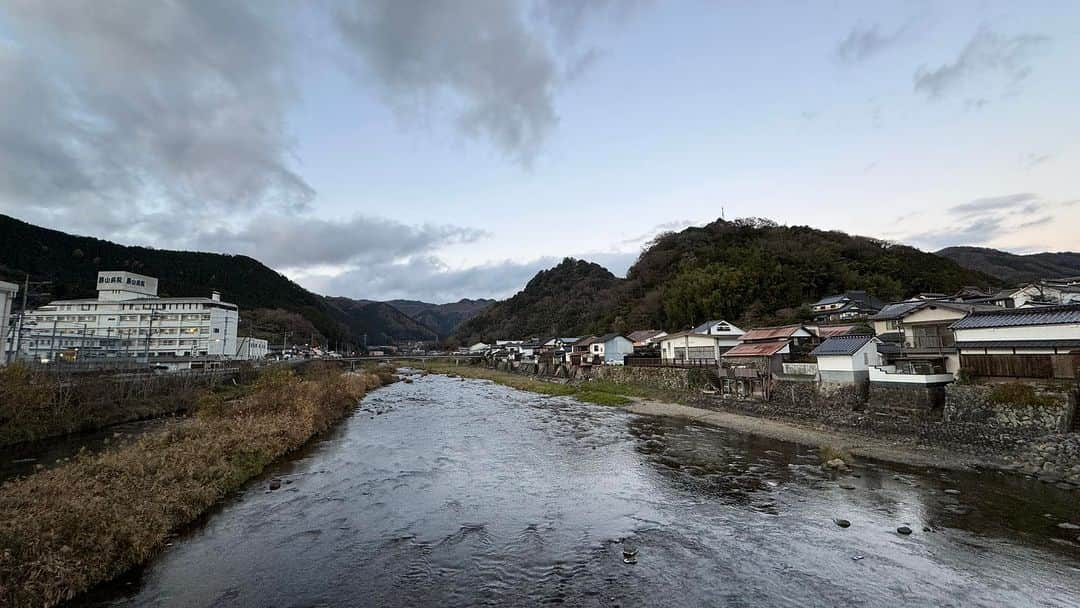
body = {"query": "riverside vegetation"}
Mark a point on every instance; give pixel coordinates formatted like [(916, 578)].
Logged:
[(66, 529), (601, 392), (35, 404)]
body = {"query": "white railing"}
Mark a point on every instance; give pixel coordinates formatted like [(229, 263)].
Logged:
[(889, 373)]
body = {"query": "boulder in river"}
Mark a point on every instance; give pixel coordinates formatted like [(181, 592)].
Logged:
[(843, 523), (903, 530), (275, 484)]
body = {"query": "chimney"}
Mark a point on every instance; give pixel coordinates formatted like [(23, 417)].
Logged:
[(215, 296)]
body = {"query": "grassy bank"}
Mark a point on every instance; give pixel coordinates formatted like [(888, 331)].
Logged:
[(36, 404), (66, 529), (602, 392)]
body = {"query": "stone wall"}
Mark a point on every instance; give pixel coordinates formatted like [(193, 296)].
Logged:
[(665, 378), (973, 403), (909, 399)]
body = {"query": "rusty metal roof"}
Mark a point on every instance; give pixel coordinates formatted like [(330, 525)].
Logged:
[(756, 349), (828, 331), (770, 333)]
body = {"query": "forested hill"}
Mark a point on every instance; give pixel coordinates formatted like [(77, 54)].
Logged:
[(269, 302), (748, 271), (1012, 268), (560, 301)]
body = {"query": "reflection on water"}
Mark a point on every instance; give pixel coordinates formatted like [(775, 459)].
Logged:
[(454, 493)]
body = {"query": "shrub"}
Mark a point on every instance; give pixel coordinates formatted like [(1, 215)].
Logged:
[(828, 453), (1020, 394)]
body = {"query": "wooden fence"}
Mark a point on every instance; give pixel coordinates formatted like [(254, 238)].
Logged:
[(1022, 366)]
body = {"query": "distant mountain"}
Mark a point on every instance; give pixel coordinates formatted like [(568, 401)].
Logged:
[(270, 304), (1012, 268), (749, 271), (443, 318)]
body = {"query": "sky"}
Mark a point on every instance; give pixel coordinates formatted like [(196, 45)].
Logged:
[(443, 149)]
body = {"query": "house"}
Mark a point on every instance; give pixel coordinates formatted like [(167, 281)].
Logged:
[(479, 347), (1035, 342), (690, 347), (847, 359), (644, 338), (763, 349), (580, 351), (844, 306), (721, 329), (1048, 292), (609, 349), (921, 329)]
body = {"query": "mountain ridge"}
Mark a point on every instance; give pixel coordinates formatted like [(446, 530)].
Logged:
[(1015, 268)]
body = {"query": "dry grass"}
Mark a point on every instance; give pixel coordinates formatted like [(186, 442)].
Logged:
[(36, 404), (66, 529), (828, 453)]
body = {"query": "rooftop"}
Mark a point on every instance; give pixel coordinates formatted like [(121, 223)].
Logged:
[(756, 349), (771, 333), (841, 345), (1013, 317), (643, 334)]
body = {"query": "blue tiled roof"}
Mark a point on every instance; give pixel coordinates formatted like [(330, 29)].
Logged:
[(841, 345), (1013, 317), (897, 310)]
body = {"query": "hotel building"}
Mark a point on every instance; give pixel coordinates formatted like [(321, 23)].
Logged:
[(128, 319)]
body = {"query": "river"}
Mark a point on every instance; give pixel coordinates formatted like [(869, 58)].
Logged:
[(447, 492)]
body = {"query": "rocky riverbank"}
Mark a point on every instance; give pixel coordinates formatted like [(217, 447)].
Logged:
[(1054, 459)]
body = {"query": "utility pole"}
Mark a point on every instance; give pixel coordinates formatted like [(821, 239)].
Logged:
[(149, 332)]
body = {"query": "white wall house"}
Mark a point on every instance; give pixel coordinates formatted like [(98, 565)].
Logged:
[(612, 348), (847, 359), (128, 319), (688, 345), (7, 301), (1021, 341)]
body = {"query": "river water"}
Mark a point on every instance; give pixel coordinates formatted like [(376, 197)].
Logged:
[(446, 492)]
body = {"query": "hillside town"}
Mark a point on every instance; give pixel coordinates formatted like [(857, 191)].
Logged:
[(899, 355)]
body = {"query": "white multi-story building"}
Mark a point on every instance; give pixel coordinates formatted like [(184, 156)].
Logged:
[(128, 319), (7, 297)]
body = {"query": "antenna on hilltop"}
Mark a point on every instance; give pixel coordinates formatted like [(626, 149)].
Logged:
[(721, 213)]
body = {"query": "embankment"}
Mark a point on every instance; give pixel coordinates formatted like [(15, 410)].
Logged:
[(66, 529), (35, 404)]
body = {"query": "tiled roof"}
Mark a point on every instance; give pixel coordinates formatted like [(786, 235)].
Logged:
[(756, 349), (897, 310), (643, 334), (841, 345), (1013, 317)]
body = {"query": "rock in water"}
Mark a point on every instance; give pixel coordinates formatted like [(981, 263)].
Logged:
[(275, 484), (843, 523), (904, 530)]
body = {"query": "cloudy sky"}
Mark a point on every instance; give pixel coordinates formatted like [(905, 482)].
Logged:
[(440, 149)]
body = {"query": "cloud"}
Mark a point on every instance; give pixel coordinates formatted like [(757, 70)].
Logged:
[(297, 243), (1031, 159), (115, 109), (862, 43), (989, 58), (983, 220), (994, 203), (429, 279), (498, 70), (478, 55)]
